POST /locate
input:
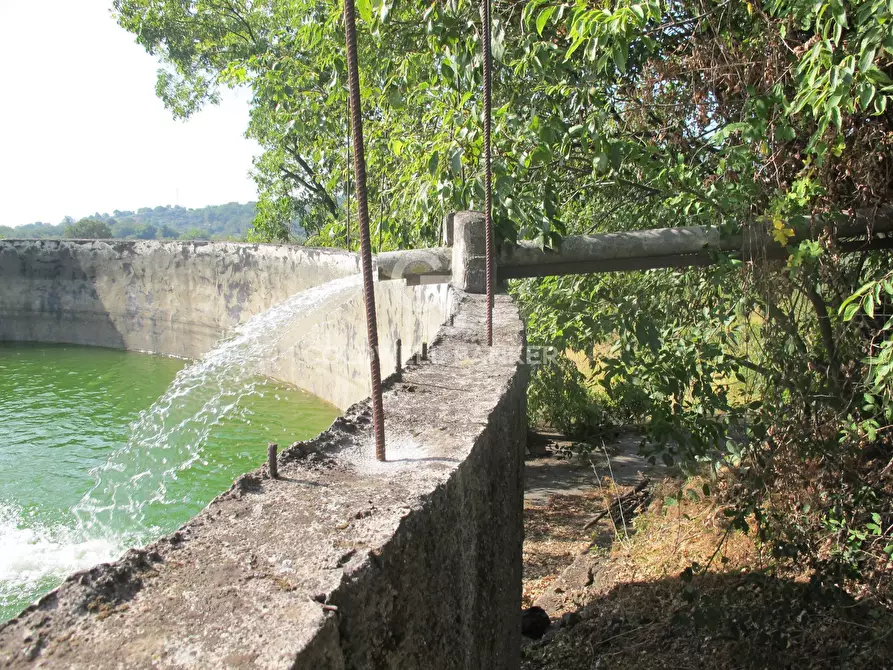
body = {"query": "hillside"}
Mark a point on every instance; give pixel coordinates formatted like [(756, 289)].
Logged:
[(215, 222)]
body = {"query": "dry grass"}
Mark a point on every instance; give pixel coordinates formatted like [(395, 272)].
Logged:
[(682, 527), (737, 611), (553, 537)]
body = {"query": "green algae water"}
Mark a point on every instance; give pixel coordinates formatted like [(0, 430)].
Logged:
[(101, 450)]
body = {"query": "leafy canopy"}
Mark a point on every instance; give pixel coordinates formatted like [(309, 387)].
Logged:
[(715, 111), (88, 229)]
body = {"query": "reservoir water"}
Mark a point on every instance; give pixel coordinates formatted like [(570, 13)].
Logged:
[(75, 487)]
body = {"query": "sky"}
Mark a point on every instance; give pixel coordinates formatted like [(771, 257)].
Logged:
[(82, 131)]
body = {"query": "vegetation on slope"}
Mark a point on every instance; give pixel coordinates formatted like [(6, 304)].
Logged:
[(215, 222)]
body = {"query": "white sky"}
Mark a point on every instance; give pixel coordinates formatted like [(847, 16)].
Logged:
[(82, 131)]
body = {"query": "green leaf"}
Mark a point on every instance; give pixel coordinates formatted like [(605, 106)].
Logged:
[(364, 9), (835, 117), (849, 311), (866, 94), (573, 47), (619, 53), (869, 305), (543, 18), (616, 156), (867, 59), (839, 13), (498, 41), (433, 163), (456, 162)]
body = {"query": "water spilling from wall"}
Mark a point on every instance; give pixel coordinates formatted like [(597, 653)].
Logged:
[(209, 425), (169, 437)]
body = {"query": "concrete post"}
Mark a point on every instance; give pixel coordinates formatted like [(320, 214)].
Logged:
[(448, 229), (469, 252)]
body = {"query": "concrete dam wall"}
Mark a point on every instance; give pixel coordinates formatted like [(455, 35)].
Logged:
[(179, 298), (341, 562)]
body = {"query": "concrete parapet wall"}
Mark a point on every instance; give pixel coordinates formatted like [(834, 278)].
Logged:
[(179, 298), (343, 562)]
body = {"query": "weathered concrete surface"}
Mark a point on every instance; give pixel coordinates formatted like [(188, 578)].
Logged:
[(415, 263), (179, 298), (167, 297), (329, 357), (418, 560), (469, 263)]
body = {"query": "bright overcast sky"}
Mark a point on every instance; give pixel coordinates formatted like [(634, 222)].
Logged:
[(82, 131)]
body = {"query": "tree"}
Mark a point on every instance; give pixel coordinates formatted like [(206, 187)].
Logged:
[(614, 116), (194, 234), (145, 232), (88, 229), (168, 233)]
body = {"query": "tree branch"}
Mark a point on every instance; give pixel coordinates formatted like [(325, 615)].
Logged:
[(311, 183), (827, 332)]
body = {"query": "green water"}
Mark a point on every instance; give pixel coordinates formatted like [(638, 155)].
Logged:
[(68, 416)]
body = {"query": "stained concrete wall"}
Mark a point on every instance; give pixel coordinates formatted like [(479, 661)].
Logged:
[(344, 562), (179, 298)]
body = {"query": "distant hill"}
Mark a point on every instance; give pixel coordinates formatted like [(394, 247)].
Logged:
[(215, 222)]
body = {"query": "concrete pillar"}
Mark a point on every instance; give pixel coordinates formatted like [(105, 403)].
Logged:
[(448, 229), (469, 252)]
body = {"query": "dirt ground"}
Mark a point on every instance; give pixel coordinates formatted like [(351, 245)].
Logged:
[(658, 581), (561, 497)]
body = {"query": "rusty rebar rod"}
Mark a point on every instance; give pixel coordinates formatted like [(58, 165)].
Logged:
[(359, 166), (488, 176), (347, 189), (272, 460)]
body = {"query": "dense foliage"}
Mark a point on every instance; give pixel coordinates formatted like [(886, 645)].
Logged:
[(34, 230), (616, 116), (88, 229), (215, 222), (229, 221)]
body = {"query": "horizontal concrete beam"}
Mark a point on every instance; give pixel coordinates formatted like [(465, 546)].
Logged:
[(676, 247), (684, 246), (414, 263)]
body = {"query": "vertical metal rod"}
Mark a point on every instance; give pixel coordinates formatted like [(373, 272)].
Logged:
[(347, 172), (380, 210), (399, 359), (488, 176), (272, 462), (359, 166)]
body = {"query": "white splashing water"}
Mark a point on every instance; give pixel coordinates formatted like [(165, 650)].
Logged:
[(31, 555), (169, 437), (126, 505)]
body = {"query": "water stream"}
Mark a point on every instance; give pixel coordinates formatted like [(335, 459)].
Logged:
[(101, 451)]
